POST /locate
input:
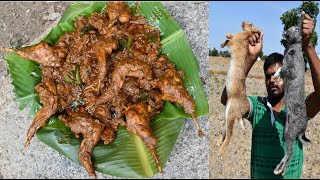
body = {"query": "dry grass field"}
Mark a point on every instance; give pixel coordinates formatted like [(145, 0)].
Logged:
[(236, 163)]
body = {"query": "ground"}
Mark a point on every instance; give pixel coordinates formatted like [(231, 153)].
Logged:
[(236, 163)]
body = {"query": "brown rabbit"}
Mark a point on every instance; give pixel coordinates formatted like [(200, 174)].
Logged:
[(235, 83)]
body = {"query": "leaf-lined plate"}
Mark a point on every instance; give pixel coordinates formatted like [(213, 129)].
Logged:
[(127, 156)]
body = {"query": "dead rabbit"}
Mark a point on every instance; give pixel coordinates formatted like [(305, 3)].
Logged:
[(235, 83), (292, 74)]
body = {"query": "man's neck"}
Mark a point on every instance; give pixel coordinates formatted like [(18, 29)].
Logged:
[(277, 103)]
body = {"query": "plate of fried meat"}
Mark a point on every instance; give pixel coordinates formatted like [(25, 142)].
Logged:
[(110, 87)]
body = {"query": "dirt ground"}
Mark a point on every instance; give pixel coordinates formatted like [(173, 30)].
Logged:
[(236, 163), (22, 22)]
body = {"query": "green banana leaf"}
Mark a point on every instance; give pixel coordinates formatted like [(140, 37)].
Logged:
[(127, 156)]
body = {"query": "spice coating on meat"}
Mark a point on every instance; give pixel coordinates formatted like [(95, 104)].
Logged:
[(43, 54), (91, 129), (48, 98)]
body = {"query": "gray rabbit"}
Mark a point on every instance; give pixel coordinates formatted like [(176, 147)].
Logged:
[(292, 73)]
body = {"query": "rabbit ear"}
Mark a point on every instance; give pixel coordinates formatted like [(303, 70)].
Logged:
[(224, 43)]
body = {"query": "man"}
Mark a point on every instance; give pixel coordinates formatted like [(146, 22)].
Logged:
[(267, 114)]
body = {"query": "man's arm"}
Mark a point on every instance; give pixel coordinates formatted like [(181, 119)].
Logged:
[(255, 47), (313, 100)]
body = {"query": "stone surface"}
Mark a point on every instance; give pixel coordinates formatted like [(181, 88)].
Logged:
[(25, 23)]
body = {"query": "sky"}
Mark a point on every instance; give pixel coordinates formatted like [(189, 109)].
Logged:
[(227, 16)]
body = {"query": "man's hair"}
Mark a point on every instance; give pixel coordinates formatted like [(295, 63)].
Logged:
[(272, 59)]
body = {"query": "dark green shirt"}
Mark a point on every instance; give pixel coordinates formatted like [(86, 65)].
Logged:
[(268, 145)]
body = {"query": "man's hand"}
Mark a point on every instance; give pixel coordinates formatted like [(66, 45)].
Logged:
[(307, 29), (255, 46)]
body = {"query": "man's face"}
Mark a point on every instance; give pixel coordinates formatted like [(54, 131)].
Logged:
[(274, 87)]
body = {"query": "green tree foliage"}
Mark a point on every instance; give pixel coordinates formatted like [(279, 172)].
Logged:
[(262, 56), (290, 18), (225, 53), (213, 52)]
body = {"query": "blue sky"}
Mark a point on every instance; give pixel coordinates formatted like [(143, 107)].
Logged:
[(227, 16)]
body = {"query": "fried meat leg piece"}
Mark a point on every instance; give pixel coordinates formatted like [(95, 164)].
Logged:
[(172, 89), (96, 77), (48, 98), (111, 125), (132, 68), (124, 68), (138, 123), (91, 129), (42, 53)]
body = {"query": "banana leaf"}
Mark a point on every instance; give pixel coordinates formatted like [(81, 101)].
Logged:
[(127, 156)]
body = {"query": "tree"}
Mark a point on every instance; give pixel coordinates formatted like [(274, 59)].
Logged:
[(262, 56), (290, 18), (214, 52), (225, 53)]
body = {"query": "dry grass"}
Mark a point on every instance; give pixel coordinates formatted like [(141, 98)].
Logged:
[(236, 163)]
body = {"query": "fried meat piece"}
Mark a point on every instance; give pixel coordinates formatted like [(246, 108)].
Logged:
[(111, 125), (91, 129), (48, 98), (98, 21), (94, 68), (103, 48), (172, 89), (138, 123), (108, 135), (146, 42), (160, 65), (155, 103), (131, 68), (44, 54), (67, 93), (130, 86), (124, 68), (118, 11), (103, 114), (119, 105)]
